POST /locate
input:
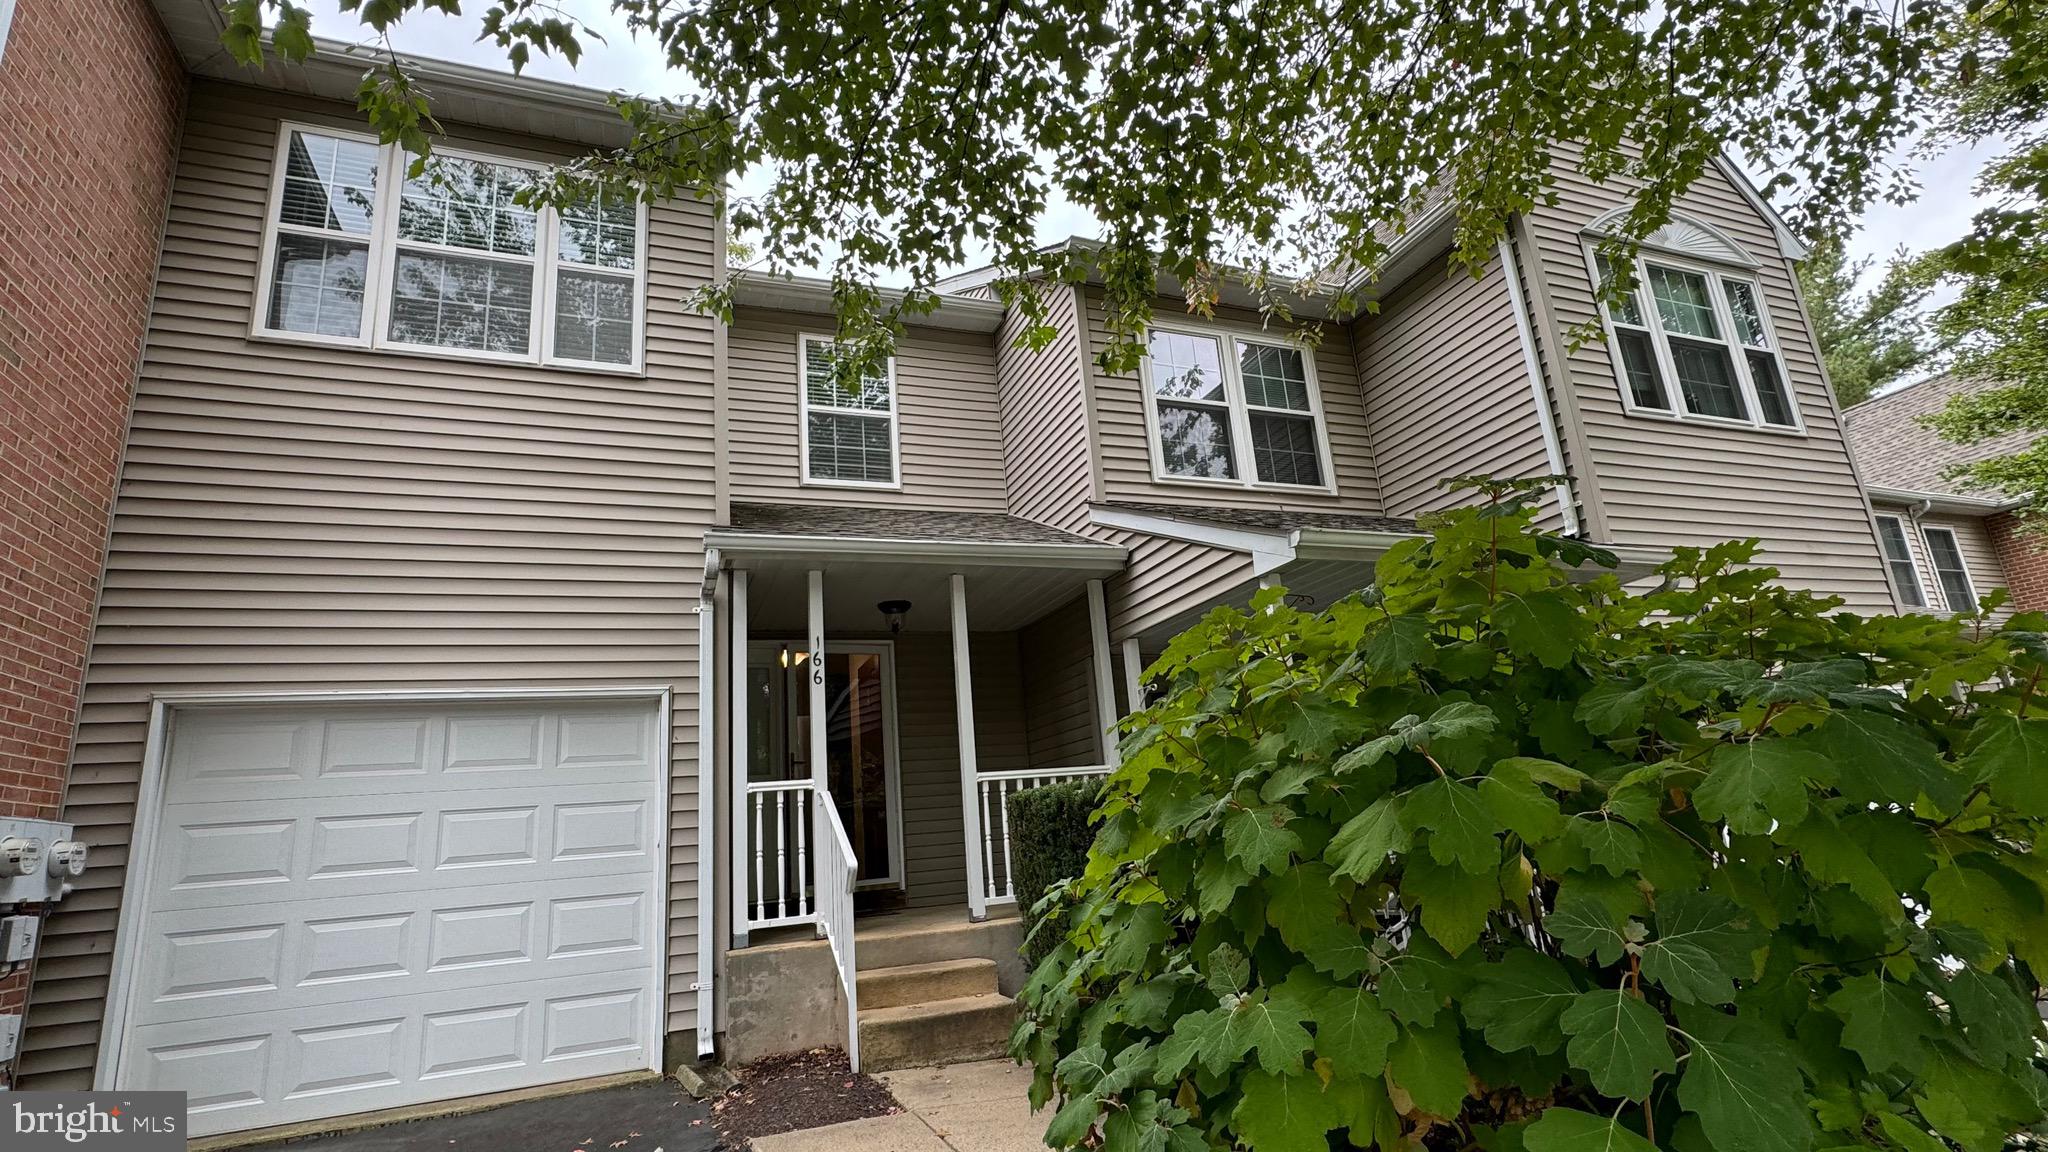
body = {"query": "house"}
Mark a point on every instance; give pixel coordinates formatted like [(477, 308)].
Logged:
[(505, 675), (1946, 545)]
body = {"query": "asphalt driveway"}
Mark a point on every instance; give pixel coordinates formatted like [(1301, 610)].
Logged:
[(653, 1116)]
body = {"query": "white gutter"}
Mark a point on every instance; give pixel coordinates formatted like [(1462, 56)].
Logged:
[(1268, 550), (1945, 501), (1107, 558), (1553, 450), (707, 828)]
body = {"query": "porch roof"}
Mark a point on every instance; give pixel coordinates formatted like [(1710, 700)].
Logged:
[(1016, 570)]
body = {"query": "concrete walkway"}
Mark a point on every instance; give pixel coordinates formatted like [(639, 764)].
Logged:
[(979, 1107)]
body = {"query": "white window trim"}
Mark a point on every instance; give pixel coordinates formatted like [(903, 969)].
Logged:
[(1660, 344), (380, 263), (1927, 532), (1239, 407), (803, 423), (1912, 562)]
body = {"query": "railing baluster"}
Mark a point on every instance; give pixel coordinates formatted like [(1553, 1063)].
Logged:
[(803, 868), (781, 856), (757, 908), (996, 788), (1009, 884)]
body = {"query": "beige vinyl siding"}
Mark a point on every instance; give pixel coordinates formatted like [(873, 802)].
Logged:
[(1125, 449), (1166, 578), (1664, 482), (950, 426), (1058, 658), (297, 518), (1447, 388), (934, 851), (1045, 416)]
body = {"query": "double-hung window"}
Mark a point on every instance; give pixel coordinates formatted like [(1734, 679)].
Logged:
[(1949, 570), (1898, 556), (1221, 401), (848, 419), (1693, 343), (447, 262)]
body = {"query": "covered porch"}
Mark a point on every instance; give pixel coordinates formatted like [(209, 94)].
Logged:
[(942, 661)]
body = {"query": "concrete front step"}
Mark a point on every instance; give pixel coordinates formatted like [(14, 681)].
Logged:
[(889, 943), (922, 983), (936, 1032)]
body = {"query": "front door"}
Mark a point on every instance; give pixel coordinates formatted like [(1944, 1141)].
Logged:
[(860, 740)]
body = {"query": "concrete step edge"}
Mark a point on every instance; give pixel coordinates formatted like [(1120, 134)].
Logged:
[(985, 1003)]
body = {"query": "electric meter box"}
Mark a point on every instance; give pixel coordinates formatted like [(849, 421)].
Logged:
[(39, 861)]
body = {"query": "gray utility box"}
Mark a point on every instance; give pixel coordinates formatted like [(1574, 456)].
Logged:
[(38, 861)]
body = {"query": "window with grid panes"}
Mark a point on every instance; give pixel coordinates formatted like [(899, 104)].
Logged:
[(1211, 392), (849, 418)]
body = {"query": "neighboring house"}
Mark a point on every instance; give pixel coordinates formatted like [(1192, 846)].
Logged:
[(91, 94), (1946, 545), (455, 717)]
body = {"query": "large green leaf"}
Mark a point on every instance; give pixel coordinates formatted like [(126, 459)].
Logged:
[(1397, 645), (1743, 1086), (1585, 925), (1270, 1025), (2012, 754), (1619, 1041), (1568, 1130), (1286, 1113), (1612, 707), (1460, 828), (1701, 945), (1454, 902), (1885, 1022), (1516, 1001), (1518, 803), (1259, 838), (1366, 840), (1542, 625), (1352, 1031), (1429, 1066), (1755, 784), (1885, 761)]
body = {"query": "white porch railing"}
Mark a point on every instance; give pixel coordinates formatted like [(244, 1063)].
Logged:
[(837, 870), (781, 832), (996, 788)]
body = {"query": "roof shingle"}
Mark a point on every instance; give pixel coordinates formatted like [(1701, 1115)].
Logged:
[(1271, 519), (1894, 450), (868, 523)]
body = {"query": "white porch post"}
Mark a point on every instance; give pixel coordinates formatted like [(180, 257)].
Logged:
[(820, 783), (1134, 676), (737, 695), (1105, 686), (970, 778)]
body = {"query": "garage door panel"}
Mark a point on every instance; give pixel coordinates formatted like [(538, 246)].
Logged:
[(217, 962), (238, 755), (217, 855), (266, 1068), (361, 907)]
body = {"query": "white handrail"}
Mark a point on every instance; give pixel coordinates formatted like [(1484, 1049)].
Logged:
[(993, 811), (837, 871)]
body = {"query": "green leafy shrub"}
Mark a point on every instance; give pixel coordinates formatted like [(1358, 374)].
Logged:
[(1049, 839), (1501, 856)]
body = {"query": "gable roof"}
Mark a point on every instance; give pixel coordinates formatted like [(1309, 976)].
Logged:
[(1900, 456)]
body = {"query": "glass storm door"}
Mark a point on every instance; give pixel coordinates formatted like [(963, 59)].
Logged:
[(860, 740)]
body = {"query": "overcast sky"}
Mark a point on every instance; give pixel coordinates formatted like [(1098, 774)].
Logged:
[(1944, 208)]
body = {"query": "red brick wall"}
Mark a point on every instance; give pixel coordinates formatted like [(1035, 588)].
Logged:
[(91, 96), (2025, 560)]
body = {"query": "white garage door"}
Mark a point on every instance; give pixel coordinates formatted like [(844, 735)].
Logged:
[(362, 907)]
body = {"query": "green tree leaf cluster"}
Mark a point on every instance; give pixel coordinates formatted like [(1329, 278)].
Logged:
[(1279, 146), (1872, 339), (1500, 854)]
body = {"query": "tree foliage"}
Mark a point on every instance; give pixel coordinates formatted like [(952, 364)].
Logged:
[(1998, 91), (1287, 140), (1870, 340), (1499, 855)]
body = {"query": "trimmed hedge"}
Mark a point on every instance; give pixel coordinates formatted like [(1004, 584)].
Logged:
[(1049, 840)]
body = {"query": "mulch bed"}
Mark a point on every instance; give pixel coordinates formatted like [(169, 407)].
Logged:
[(795, 1091)]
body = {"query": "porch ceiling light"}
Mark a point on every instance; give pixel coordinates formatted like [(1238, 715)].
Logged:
[(785, 655), (894, 611)]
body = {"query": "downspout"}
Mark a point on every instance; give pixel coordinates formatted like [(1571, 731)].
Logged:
[(1553, 449), (707, 767)]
